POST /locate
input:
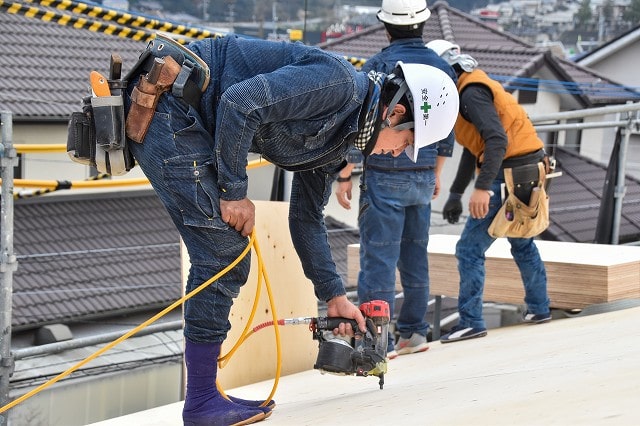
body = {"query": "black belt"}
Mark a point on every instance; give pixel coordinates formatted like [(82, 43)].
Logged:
[(399, 169), (530, 158)]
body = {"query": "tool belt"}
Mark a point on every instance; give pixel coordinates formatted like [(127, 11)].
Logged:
[(97, 136), (164, 66)]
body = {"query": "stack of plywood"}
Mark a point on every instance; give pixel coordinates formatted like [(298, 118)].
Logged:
[(578, 274)]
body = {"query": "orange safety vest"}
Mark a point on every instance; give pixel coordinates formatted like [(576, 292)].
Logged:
[(521, 135)]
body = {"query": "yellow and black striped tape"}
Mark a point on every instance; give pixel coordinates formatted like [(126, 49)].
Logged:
[(356, 62), (127, 19), (114, 23), (76, 22)]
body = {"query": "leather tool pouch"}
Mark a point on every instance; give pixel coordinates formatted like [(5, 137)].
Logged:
[(146, 94), (517, 218)]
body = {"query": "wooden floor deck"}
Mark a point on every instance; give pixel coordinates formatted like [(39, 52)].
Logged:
[(578, 371)]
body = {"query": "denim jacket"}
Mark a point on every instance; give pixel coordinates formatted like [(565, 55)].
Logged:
[(298, 107), (410, 50)]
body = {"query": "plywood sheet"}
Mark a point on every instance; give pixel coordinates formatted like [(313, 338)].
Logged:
[(293, 296)]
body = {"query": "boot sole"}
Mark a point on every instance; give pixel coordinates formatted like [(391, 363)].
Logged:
[(255, 419)]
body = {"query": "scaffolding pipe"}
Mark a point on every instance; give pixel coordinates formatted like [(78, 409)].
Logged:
[(56, 347), (579, 126), (621, 188), (8, 261), (567, 115)]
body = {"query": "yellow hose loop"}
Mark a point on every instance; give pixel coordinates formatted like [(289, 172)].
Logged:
[(246, 333)]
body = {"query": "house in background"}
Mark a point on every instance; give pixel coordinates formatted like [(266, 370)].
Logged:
[(90, 264), (617, 59)]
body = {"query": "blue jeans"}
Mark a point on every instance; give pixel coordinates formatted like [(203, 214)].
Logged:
[(178, 159), (394, 219), (470, 252)]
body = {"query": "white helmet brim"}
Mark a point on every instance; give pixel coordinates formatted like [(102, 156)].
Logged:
[(435, 104)]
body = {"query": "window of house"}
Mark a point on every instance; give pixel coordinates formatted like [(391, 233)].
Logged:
[(530, 95)]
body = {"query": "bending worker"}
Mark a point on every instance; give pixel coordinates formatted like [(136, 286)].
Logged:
[(302, 109), (496, 133)]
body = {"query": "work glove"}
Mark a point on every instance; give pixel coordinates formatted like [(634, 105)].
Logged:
[(452, 208)]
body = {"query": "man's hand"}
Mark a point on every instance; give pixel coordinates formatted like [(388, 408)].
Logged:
[(343, 194), (452, 208), (479, 203), (240, 215), (436, 189), (340, 306)]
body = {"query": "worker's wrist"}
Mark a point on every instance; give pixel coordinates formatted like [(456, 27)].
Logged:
[(491, 193), (344, 179)]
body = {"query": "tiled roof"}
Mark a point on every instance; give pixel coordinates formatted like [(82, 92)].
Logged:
[(45, 66), (82, 258), (575, 199), (497, 52)]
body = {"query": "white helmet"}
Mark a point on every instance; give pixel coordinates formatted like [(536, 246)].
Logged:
[(442, 46), (434, 100), (404, 12), (451, 53)]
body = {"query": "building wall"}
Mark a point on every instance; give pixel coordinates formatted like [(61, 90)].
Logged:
[(622, 65), (52, 166), (80, 402)]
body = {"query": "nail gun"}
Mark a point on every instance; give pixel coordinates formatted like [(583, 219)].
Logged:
[(363, 354)]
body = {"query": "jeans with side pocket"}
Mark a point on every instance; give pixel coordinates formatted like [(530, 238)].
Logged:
[(177, 158)]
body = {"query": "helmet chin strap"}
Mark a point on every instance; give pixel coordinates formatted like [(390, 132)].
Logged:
[(404, 88)]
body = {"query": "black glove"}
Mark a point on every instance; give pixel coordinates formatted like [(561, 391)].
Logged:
[(452, 208)]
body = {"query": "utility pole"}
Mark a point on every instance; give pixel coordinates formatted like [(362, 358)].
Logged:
[(205, 10), (304, 27), (274, 18), (8, 263)]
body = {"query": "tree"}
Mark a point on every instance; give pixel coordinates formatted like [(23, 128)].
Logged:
[(583, 15), (632, 13), (607, 10)]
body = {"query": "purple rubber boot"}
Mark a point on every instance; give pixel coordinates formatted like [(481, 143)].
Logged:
[(203, 404)]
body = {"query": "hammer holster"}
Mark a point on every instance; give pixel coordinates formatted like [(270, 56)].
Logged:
[(145, 97)]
